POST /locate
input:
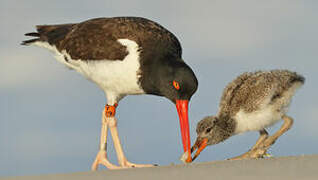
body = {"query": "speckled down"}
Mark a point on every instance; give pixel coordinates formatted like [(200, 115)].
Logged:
[(249, 90)]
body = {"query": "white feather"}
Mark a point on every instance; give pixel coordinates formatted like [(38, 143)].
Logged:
[(117, 78), (255, 121)]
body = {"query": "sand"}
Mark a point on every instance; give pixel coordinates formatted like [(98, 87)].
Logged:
[(282, 168)]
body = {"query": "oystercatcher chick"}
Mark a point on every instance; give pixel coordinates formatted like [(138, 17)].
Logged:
[(252, 102), (123, 56)]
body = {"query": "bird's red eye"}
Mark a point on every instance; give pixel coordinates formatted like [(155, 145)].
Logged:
[(176, 85)]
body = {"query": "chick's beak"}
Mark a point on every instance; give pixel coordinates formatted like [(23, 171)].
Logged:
[(200, 144)]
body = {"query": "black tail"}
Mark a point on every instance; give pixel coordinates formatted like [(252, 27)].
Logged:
[(33, 34), (300, 78), (297, 78), (48, 33)]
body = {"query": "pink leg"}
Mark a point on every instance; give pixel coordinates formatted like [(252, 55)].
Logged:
[(122, 160), (251, 153), (265, 141), (109, 120), (101, 157), (288, 122)]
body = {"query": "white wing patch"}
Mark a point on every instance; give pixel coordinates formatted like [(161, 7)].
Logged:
[(117, 78)]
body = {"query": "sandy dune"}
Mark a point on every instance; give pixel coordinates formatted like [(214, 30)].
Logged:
[(283, 168)]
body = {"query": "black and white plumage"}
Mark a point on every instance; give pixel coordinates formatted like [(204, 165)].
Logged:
[(123, 56), (251, 102), (128, 49)]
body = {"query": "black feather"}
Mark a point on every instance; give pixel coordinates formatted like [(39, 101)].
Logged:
[(34, 34), (298, 78), (27, 42)]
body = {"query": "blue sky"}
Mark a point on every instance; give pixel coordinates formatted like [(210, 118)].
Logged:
[(50, 116)]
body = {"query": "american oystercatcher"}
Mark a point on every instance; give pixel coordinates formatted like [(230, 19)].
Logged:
[(252, 102), (123, 56)]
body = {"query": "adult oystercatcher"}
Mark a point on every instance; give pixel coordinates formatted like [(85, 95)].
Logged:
[(252, 102), (123, 56)]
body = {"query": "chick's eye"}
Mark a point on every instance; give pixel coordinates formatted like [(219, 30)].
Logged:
[(176, 85), (208, 130)]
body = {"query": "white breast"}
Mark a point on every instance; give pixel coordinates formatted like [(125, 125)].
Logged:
[(257, 120), (116, 77)]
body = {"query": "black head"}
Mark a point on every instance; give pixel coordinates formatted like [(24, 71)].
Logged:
[(175, 80), (170, 77)]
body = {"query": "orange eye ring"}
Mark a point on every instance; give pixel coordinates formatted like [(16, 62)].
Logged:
[(176, 85)]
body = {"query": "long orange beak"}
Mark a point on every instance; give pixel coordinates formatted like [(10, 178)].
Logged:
[(182, 108)]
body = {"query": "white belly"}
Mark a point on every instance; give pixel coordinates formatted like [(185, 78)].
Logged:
[(255, 121), (116, 77), (112, 76)]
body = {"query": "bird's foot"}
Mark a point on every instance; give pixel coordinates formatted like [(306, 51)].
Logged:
[(252, 154), (258, 153), (127, 164), (101, 159), (267, 155), (261, 150)]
